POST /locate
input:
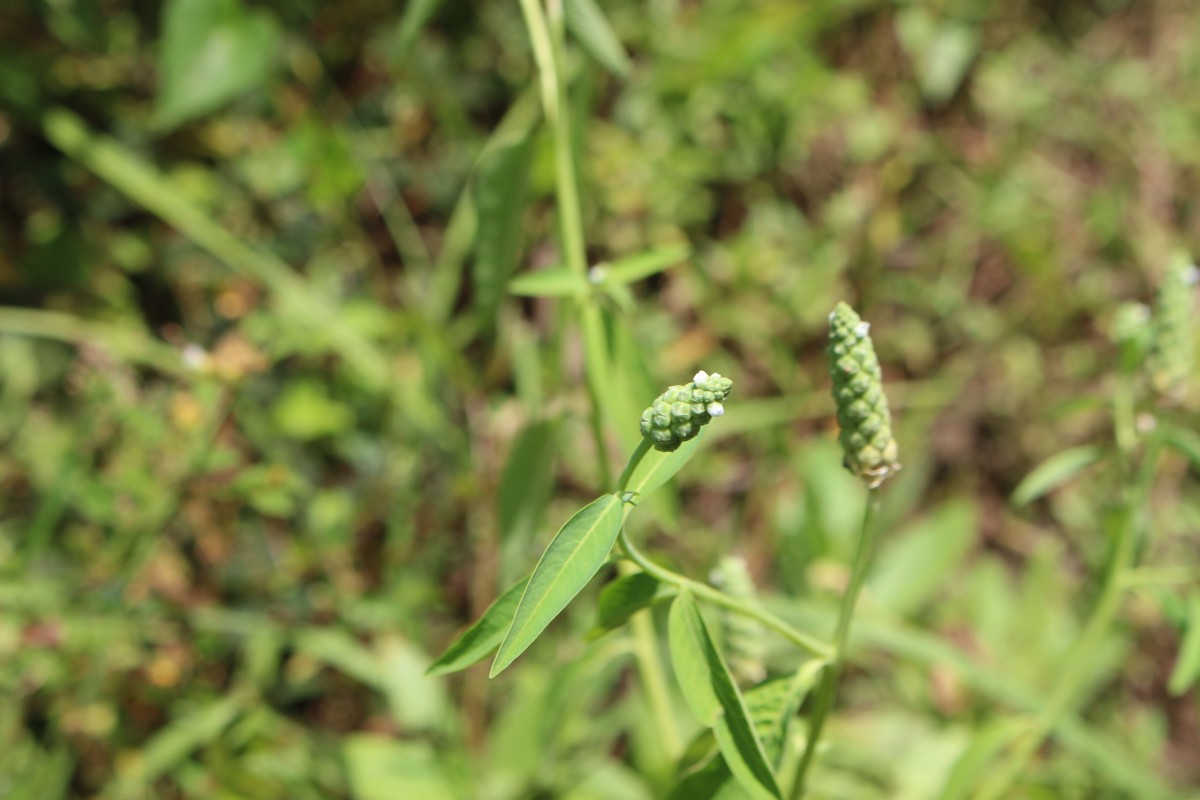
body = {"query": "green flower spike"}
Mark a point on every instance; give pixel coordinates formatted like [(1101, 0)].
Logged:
[(1173, 351), (681, 411), (744, 638), (862, 408)]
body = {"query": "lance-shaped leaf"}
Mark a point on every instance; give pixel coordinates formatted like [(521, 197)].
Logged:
[(500, 197), (1054, 472), (643, 265), (577, 552), (715, 699), (479, 640)]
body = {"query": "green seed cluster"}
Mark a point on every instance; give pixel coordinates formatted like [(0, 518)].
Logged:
[(1173, 351), (862, 408), (681, 411)]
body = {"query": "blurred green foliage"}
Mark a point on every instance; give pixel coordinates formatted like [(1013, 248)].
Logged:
[(273, 432)]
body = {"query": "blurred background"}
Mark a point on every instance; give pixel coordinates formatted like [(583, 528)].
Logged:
[(272, 432)]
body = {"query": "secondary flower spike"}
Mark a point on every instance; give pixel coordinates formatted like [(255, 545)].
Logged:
[(862, 408), (1173, 350), (679, 412)]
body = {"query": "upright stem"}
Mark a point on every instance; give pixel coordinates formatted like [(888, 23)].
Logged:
[(828, 688), (545, 34), (1082, 655)]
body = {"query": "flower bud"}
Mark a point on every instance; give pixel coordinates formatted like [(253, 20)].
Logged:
[(862, 409), (681, 411)]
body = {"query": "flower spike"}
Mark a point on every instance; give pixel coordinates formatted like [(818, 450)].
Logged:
[(679, 412), (862, 408)]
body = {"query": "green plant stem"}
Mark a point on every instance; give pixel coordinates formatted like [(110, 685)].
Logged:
[(1073, 673), (545, 35), (810, 644), (827, 691)]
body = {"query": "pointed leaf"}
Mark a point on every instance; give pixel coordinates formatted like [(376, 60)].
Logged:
[(623, 598), (479, 640), (715, 699), (577, 552), (500, 184), (656, 468), (1054, 472), (211, 51), (1187, 665), (553, 282), (587, 24), (643, 265)]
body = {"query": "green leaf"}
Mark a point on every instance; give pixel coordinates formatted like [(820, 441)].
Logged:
[(479, 640), (526, 482), (915, 563), (623, 598), (500, 194), (715, 699), (643, 476), (211, 52), (1187, 665), (1185, 441), (577, 552), (1054, 472), (382, 768), (643, 265), (586, 22), (553, 282)]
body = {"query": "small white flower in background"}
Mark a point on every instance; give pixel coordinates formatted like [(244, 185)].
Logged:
[(597, 274), (863, 328), (195, 356), (700, 377)]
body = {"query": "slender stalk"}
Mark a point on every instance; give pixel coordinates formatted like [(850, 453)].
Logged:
[(1075, 669), (810, 644), (827, 691)]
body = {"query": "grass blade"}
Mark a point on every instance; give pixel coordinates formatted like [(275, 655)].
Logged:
[(553, 282), (484, 636), (577, 552), (715, 699), (1187, 665)]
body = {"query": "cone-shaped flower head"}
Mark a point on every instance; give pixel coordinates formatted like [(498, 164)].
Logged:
[(862, 409), (1173, 351), (679, 412)]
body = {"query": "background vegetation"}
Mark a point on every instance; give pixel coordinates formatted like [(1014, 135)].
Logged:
[(273, 431)]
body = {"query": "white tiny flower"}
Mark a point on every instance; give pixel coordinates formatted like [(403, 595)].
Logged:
[(1191, 275), (715, 409), (597, 274), (862, 328), (700, 377), (194, 356)]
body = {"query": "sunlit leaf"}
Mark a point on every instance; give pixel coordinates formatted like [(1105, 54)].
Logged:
[(478, 641), (211, 51), (577, 552), (586, 22), (714, 698)]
